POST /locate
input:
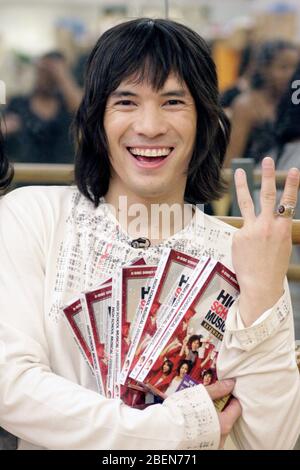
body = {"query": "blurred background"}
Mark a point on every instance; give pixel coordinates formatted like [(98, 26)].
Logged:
[(44, 45), (31, 28)]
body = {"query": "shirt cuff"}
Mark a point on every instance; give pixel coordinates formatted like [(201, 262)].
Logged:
[(201, 426), (263, 328)]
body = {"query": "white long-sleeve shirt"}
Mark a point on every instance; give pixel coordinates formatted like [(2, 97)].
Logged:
[(53, 244)]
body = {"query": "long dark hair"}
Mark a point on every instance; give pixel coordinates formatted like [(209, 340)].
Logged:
[(6, 169), (151, 49)]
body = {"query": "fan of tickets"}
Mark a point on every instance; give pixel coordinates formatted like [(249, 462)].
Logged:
[(149, 331)]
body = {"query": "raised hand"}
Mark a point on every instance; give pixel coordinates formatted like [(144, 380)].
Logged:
[(262, 247)]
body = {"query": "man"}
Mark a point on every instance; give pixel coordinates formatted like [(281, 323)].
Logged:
[(149, 129)]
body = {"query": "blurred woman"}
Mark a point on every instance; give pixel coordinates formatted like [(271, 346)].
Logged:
[(38, 124), (253, 112), (287, 138), (242, 83)]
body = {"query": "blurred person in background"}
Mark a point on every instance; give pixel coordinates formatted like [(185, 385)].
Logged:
[(243, 81), (286, 153), (287, 127), (80, 68), (254, 111), (287, 137), (37, 126), (286, 130)]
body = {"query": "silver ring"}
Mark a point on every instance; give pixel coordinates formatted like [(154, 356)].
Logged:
[(285, 210)]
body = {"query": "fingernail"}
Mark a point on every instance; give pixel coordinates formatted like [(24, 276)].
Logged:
[(268, 162), (239, 173), (294, 172)]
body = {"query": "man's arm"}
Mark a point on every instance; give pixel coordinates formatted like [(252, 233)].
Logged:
[(258, 347), (262, 357), (52, 412)]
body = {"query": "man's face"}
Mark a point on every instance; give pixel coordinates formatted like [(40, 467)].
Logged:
[(151, 137)]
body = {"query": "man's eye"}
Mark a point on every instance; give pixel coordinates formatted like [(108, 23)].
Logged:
[(174, 102), (125, 103)]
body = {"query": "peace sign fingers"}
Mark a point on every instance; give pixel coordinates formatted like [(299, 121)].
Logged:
[(289, 197), (243, 196)]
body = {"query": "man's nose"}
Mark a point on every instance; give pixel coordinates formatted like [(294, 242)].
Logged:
[(150, 122)]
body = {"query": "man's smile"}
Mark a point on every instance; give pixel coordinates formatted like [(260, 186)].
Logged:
[(150, 156), (150, 151)]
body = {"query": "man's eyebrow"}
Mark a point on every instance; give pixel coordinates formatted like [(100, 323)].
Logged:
[(119, 93), (179, 93)]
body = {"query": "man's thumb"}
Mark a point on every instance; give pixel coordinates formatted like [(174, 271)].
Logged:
[(233, 411), (220, 389)]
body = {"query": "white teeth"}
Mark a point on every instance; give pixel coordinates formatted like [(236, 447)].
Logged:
[(162, 152)]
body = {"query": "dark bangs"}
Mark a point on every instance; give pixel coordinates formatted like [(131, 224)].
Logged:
[(148, 50)]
